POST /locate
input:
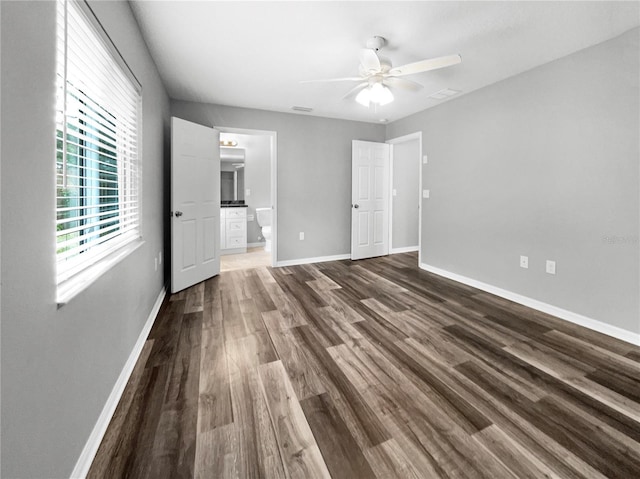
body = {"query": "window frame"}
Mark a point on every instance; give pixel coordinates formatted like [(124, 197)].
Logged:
[(74, 274)]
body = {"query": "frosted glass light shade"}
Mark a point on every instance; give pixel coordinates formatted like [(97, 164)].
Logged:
[(380, 94), (377, 94), (364, 97)]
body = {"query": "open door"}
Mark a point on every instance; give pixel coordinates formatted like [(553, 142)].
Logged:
[(195, 203), (369, 199)]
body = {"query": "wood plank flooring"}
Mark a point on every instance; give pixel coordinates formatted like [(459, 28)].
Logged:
[(370, 369)]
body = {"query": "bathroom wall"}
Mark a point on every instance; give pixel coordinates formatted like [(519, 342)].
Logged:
[(257, 178)]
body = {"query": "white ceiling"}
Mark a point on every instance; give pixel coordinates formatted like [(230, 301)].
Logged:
[(254, 54)]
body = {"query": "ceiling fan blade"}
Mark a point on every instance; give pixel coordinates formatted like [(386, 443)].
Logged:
[(351, 93), (369, 60), (402, 83), (426, 65), (333, 80)]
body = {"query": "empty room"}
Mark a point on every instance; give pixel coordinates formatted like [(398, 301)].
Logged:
[(336, 239)]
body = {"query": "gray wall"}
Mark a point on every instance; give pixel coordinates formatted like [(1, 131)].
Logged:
[(406, 182), (59, 365), (543, 164), (314, 172), (258, 180)]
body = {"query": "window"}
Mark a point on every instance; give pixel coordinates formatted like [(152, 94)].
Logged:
[(97, 152)]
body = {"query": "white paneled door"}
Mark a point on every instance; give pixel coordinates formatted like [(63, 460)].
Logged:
[(369, 199), (195, 203)]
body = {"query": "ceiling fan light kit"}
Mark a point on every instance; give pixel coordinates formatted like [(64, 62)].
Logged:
[(378, 77), (376, 94)]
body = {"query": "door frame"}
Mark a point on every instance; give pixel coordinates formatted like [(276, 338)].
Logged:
[(273, 180), (394, 141)]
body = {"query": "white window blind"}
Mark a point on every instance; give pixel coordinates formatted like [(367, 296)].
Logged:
[(97, 152)]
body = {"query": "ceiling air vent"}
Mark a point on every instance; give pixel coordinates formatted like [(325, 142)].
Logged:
[(442, 94), (304, 109)]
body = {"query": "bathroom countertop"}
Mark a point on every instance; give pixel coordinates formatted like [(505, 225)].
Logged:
[(225, 205)]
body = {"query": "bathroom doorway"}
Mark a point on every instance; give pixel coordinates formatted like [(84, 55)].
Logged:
[(248, 225)]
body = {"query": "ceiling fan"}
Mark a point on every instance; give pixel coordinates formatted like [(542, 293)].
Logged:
[(378, 76)]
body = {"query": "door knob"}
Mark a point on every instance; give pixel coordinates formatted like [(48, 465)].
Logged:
[(356, 206), (178, 213)]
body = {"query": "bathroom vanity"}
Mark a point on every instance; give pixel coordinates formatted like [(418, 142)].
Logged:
[(233, 229)]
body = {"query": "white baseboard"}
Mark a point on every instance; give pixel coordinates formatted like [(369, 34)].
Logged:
[(318, 259), (255, 245), (601, 327), (90, 449), (404, 249)]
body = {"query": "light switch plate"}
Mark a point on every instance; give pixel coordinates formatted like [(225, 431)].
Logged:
[(524, 262), (551, 267), (395, 192), (247, 192), (424, 160), (425, 193)]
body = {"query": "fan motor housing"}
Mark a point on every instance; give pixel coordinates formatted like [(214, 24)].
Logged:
[(376, 43)]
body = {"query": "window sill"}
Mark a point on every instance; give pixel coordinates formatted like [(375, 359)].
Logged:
[(73, 286)]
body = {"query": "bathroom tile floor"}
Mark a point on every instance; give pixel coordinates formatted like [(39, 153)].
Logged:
[(253, 258)]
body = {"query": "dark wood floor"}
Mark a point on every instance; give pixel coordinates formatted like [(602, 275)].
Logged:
[(370, 369)]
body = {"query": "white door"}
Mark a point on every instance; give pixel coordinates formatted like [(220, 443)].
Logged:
[(370, 199), (195, 203)]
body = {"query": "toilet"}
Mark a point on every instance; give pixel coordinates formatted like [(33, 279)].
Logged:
[(263, 216)]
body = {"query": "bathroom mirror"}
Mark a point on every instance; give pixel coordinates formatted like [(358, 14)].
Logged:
[(232, 175)]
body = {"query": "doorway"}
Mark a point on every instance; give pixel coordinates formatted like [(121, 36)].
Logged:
[(405, 218), (248, 164)]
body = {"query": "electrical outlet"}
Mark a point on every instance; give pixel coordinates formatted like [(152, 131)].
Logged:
[(425, 193), (247, 192), (551, 267), (394, 192), (301, 235), (524, 261)]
